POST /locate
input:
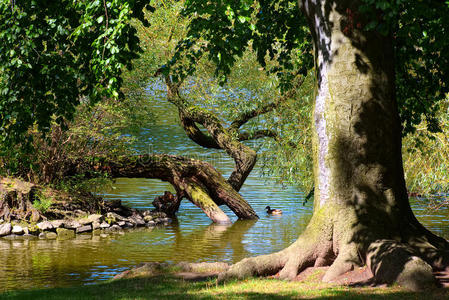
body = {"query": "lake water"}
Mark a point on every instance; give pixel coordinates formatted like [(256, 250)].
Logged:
[(34, 263)]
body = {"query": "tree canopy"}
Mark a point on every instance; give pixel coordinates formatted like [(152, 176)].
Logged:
[(55, 54), (223, 29)]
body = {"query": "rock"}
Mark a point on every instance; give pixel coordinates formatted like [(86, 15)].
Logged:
[(17, 230), (114, 228), (146, 213), (42, 235), (33, 229), (35, 216), (95, 218), (151, 223), (57, 223), (84, 221), (159, 214), (26, 231), (80, 213), (72, 224), (45, 225), (104, 225), (148, 218), (144, 270), (137, 219), (85, 228), (51, 235), (121, 223), (2, 221), (112, 217), (129, 224), (64, 233), (5, 229), (96, 225), (90, 219), (96, 232)]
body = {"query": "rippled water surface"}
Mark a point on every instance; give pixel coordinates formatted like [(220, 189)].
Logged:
[(33, 263)]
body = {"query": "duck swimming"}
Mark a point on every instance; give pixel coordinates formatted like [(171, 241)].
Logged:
[(273, 211)]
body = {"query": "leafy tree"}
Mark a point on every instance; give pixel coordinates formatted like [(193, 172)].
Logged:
[(367, 55), (55, 54)]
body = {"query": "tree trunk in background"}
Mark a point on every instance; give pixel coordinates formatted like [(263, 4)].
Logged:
[(361, 209), (16, 197)]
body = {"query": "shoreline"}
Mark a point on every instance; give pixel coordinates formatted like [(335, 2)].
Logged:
[(64, 215)]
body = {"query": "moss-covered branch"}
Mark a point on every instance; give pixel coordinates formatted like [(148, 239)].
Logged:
[(197, 180)]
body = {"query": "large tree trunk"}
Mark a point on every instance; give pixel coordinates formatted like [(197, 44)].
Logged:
[(361, 210)]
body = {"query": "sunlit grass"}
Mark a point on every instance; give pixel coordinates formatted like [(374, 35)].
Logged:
[(169, 287)]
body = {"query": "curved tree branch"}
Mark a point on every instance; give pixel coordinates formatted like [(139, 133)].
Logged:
[(244, 157), (195, 134), (197, 180)]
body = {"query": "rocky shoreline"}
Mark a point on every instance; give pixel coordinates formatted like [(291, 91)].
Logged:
[(66, 214), (89, 223)]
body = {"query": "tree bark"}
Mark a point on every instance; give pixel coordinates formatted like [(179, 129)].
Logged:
[(361, 209), (16, 199), (218, 138), (198, 181)]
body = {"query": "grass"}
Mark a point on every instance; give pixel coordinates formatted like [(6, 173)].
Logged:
[(169, 287)]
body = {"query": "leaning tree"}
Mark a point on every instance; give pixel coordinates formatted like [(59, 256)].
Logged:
[(54, 57), (369, 56)]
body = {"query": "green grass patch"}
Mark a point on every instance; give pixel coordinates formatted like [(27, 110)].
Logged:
[(169, 287)]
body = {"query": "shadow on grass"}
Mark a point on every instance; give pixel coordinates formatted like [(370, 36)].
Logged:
[(168, 287)]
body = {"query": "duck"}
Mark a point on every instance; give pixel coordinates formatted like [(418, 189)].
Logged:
[(273, 211)]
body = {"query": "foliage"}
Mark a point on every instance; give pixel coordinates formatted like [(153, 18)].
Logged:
[(427, 166), (247, 88), (53, 54), (223, 29), (290, 158), (422, 62), (102, 130), (43, 202)]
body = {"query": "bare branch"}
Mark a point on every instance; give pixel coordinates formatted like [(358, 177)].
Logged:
[(258, 134)]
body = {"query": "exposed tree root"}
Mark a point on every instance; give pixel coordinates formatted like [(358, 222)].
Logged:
[(410, 264), (391, 261), (345, 262)]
